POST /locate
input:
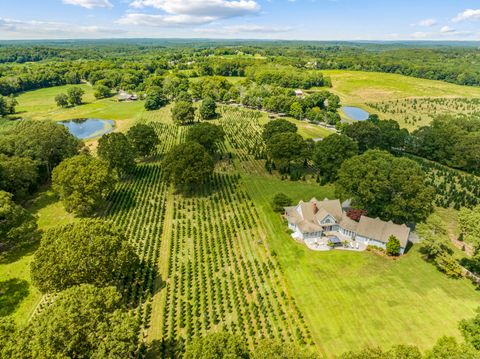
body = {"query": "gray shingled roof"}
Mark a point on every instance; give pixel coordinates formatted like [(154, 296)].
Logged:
[(375, 228)]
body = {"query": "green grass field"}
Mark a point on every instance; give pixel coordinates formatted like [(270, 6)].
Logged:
[(356, 299), (359, 88)]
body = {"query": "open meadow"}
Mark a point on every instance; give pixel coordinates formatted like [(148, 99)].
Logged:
[(411, 101)]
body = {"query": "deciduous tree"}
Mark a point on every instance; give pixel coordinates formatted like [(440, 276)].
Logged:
[(188, 165), (116, 150), (85, 252), (208, 135), (83, 183), (183, 113), (143, 138)]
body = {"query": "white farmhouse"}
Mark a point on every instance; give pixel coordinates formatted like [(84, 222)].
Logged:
[(324, 224)]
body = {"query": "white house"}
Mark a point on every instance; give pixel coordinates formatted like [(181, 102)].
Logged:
[(326, 223)]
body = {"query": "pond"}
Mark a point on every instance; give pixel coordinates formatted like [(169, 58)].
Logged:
[(86, 128), (355, 113)]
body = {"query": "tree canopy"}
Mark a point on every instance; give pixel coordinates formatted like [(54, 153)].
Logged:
[(187, 165), (44, 141), (84, 252), (208, 135), (287, 147), (18, 175), (217, 345), (208, 109), (116, 150), (155, 99), (183, 112), (83, 183), (278, 126), (82, 322), (17, 225), (390, 187), (331, 152), (143, 138)]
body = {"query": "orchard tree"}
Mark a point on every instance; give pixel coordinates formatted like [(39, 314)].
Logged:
[(331, 152), (208, 135), (17, 225), (183, 113), (208, 109), (386, 186), (82, 322), (85, 252), (116, 150), (393, 246), (188, 165), (143, 138), (83, 183), (280, 201), (61, 100), (278, 126), (75, 95), (217, 345), (102, 91)]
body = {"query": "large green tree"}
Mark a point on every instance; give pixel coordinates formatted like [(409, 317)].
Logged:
[(390, 187), (470, 329), (102, 91), (217, 345), (155, 99), (85, 252), (18, 175), (82, 322), (45, 141), (278, 126), (285, 148), (365, 133), (208, 135), (183, 112), (188, 165), (208, 109), (449, 348), (116, 150), (143, 138), (331, 152), (75, 95), (17, 225), (83, 183), (61, 100)]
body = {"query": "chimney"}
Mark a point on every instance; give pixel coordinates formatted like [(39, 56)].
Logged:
[(315, 208)]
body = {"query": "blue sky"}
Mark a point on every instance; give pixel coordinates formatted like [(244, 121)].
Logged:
[(262, 19)]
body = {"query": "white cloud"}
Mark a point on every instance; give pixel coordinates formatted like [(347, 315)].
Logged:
[(470, 14), (189, 12), (45, 29), (163, 20), (428, 22), (447, 29), (419, 35), (89, 4)]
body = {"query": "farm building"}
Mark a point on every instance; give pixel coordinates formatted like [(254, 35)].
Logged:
[(324, 224)]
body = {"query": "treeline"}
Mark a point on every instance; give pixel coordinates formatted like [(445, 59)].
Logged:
[(452, 141), (454, 63), (288, 77)]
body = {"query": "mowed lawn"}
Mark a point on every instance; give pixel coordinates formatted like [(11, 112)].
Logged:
[(357, 299), (360, 87)]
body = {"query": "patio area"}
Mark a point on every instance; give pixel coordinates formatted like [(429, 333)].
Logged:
[(333, 240)]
